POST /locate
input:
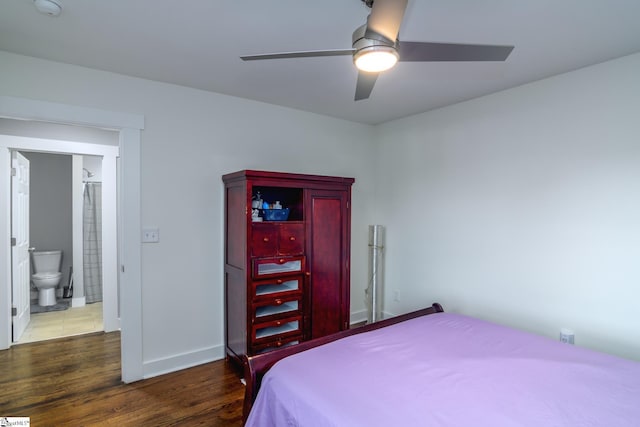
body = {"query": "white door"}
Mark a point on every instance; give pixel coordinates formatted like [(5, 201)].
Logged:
[(20, 265)]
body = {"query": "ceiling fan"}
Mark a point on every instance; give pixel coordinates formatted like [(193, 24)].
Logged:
[(376, 47)]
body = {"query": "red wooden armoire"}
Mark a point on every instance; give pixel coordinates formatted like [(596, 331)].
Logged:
[(287, 259)]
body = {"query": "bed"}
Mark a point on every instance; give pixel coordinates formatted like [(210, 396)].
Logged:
[(431, 368)]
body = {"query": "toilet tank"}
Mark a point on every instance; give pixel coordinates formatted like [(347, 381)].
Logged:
[(46, 261)]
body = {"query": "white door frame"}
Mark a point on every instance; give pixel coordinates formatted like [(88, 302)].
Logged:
[(129, 127), (109, 154)]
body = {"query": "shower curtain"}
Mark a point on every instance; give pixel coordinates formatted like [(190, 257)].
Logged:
[(92, 241)]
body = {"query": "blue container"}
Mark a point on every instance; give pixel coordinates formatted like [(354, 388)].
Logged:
[(276, 214)]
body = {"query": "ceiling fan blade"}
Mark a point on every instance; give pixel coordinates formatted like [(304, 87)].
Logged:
[(365, 84), (425, 51), (385, 19), (303, 54)]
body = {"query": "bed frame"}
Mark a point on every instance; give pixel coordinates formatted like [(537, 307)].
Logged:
[(255, 367)]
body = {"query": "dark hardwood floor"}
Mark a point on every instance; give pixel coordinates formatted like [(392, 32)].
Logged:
[(75, 381)]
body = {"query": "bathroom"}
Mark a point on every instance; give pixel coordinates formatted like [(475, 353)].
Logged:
[(54, 201)]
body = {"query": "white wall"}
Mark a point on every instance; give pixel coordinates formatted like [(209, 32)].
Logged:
[(50, 219), (522, 207), (524, 203), (190, 139)]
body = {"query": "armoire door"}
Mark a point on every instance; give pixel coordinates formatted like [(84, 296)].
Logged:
[(328, 251)]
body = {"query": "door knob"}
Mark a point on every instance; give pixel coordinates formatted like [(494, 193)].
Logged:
[(31, 249)]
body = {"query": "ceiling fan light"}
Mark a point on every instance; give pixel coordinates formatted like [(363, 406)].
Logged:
[(375, 59)]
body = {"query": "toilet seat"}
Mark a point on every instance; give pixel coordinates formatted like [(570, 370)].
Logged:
[(44, 276)]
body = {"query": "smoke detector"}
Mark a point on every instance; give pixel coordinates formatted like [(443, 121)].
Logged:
[(48, 7)]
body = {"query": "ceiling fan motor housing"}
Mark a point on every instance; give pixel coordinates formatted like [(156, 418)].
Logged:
[(362, 38)]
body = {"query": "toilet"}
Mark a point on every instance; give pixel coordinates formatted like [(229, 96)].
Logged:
[(46, 275)]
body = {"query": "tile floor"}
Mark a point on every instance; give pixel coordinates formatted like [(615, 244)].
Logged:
[(56, 324)]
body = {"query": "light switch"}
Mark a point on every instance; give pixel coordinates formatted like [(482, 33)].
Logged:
[(150, 235)]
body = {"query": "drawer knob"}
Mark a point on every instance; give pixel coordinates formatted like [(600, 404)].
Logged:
[(265, 239), (278, 323), (292, 238), (278, 301), (279, 344), (281, 260), (279, 281)]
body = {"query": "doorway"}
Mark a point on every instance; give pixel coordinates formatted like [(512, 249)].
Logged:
[(64, 217), (109, 155), (129, 128)]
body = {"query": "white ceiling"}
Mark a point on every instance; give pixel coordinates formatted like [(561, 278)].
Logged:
[(197, 43)]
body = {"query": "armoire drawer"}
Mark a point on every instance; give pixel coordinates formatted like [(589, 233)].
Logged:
[(264, 240), (277, 308), (276, 330), (266, 267), (281, 287), (274, 345), (291, 239)]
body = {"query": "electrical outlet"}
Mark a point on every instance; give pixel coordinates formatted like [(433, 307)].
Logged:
[(396, 296), (567, 336), (150, 235)]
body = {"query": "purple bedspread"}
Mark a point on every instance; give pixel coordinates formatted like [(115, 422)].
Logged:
[(449, 370)]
